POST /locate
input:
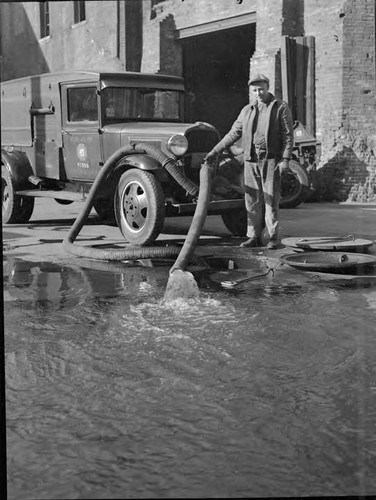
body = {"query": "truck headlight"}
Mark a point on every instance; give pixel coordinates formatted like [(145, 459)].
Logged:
[(177, 144)]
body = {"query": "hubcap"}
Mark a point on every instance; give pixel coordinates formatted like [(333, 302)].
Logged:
[(135, 206)]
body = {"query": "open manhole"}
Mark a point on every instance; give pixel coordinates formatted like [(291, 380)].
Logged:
[(230, 271)]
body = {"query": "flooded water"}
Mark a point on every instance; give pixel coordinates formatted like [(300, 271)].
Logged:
[(264, 390)]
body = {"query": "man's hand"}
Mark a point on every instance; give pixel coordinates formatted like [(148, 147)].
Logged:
[(211, 156), (285, 163)]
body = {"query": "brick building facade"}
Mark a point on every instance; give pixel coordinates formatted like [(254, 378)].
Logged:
[(214, 45)]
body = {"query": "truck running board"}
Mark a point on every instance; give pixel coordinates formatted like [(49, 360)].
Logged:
[(60, 195), (214, 207)]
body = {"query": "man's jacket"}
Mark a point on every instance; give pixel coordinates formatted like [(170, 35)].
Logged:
[(279, 133)]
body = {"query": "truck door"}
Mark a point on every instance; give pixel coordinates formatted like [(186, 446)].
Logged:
[(82, 142)]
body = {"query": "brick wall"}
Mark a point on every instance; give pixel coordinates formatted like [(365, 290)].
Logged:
[(268, 42), (359, 99), (293, 17), (345, 77), (345, 96)]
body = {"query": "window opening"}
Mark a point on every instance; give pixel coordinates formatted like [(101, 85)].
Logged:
[(79, 11), (44, 12), (82, 104)]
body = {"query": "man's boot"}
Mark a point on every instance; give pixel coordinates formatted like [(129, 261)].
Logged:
[(251, 242), (272, 245)]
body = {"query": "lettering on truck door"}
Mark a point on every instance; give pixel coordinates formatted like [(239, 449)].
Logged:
[(81, 137)]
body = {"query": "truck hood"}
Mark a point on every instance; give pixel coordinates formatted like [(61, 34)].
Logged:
[(152, 131), (201, 136)]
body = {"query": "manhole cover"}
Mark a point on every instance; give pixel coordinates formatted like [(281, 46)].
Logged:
[(345, 244), (329, 261)]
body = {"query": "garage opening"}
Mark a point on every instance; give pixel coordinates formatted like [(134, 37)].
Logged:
[(216, 73)]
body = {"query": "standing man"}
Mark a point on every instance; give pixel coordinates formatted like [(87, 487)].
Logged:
[(266, 128)]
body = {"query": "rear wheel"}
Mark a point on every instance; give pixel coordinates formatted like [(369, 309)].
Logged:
[(236, 221), (15, 208), (139, 207), (294, 185)]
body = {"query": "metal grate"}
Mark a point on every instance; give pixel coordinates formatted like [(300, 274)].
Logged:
[(197, 159)]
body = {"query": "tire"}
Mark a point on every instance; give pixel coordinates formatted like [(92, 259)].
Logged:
[(63, 202), (16, 209), (294, 185), (236, 221), (139, 207), (105, 208)]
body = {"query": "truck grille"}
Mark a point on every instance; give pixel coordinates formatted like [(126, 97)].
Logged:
[(196, 160), (200, 142)]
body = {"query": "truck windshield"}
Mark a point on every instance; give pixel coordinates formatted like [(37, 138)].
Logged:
[(141, 104)]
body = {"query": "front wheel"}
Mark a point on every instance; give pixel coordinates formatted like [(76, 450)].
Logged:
[(236, 221), (15, 208), (139, 207), (294, 185)]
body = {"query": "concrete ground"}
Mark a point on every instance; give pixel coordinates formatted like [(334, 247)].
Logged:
[(41, 238)]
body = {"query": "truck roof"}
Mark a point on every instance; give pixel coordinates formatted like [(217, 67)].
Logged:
[(106, 76), (42, 91)]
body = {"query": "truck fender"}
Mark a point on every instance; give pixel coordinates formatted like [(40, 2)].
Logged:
[(141, 161), (18, 166), (138, 160)]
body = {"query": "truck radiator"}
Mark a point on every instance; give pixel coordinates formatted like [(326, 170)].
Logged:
[(200, 142)]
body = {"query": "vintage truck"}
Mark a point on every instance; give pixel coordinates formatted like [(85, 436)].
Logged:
[(58, 130)]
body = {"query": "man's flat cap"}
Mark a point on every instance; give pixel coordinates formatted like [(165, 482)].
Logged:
[(259, 77)]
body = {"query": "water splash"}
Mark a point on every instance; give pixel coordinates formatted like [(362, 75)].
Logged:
[(181, 285)]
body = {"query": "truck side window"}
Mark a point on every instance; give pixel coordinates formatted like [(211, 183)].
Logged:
[(82, 104)]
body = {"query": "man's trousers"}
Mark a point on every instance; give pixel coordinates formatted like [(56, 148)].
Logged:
[(262, 195)]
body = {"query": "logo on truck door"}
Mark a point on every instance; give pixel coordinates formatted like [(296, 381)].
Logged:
[(82, 155)]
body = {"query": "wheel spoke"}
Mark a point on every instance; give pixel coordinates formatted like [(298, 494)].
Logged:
[(131, 191), (138, 221), (129, 198), (142, 201)]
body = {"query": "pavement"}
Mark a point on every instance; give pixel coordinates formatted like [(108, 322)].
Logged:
[(41, 238)]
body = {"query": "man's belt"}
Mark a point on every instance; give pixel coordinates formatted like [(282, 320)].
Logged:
[(262, 154), (258, 153)]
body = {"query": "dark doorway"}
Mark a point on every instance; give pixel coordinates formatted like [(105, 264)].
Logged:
[(216, 73)]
